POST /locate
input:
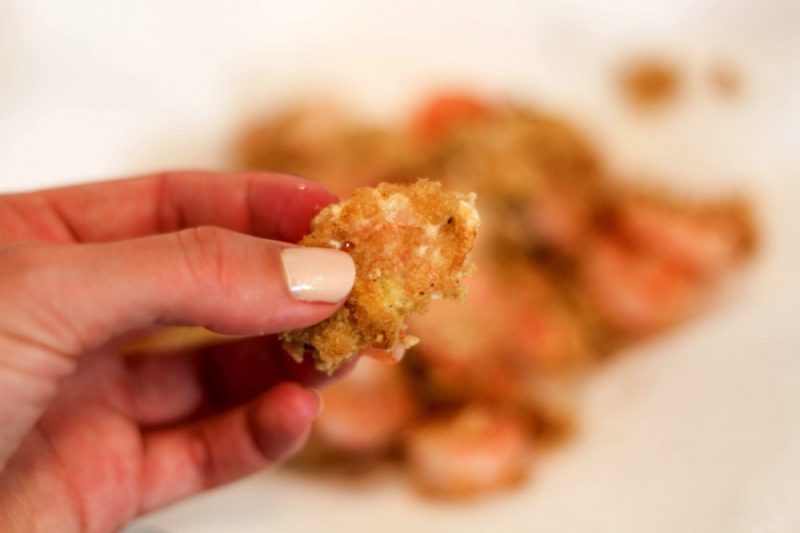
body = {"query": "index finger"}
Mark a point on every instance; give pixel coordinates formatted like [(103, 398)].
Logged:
[(269, 205)]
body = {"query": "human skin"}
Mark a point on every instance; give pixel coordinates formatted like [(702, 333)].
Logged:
[(91, 438)]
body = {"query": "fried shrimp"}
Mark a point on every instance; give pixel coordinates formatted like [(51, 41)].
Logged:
[(410, 246)]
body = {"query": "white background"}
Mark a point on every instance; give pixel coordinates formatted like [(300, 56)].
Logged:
[(699, 431)]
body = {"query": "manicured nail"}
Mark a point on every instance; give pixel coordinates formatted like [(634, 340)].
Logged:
[(318, 274)]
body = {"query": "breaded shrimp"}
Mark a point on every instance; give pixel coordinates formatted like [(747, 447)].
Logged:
[(410, 246)]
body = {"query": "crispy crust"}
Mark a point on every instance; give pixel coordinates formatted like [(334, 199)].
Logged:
[(410, 245)]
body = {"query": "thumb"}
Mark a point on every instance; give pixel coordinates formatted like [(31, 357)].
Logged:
[(72, 298), (57, 301)]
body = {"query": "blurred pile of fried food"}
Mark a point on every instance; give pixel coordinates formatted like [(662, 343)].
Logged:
[(573, 265)]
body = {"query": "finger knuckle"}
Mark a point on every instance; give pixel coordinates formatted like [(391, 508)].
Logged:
[(19, 261), (204, 251)]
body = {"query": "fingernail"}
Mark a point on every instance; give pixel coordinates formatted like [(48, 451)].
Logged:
[(320, 403), (318, 274)]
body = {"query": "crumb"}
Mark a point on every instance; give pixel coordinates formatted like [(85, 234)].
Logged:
[(648, 82), (410, 246)]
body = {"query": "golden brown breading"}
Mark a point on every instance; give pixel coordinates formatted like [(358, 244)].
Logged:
[(410, 246)]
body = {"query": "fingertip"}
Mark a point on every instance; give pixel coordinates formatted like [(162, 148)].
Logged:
[(282, 420), (290, 202), (389, 357), (301, 403)]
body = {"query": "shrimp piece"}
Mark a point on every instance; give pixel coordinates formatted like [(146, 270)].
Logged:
[(703, 242), (446, 112), (486, 346), (660, 260), (365, 412), (474, 450), (634, 293), (459, 343)]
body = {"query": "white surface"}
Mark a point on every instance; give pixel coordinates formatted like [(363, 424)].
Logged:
[(699, 431)]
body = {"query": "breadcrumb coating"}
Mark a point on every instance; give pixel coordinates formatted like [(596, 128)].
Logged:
[(410, 246)]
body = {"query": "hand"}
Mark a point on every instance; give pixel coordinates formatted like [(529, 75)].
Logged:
[(91, 439)]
